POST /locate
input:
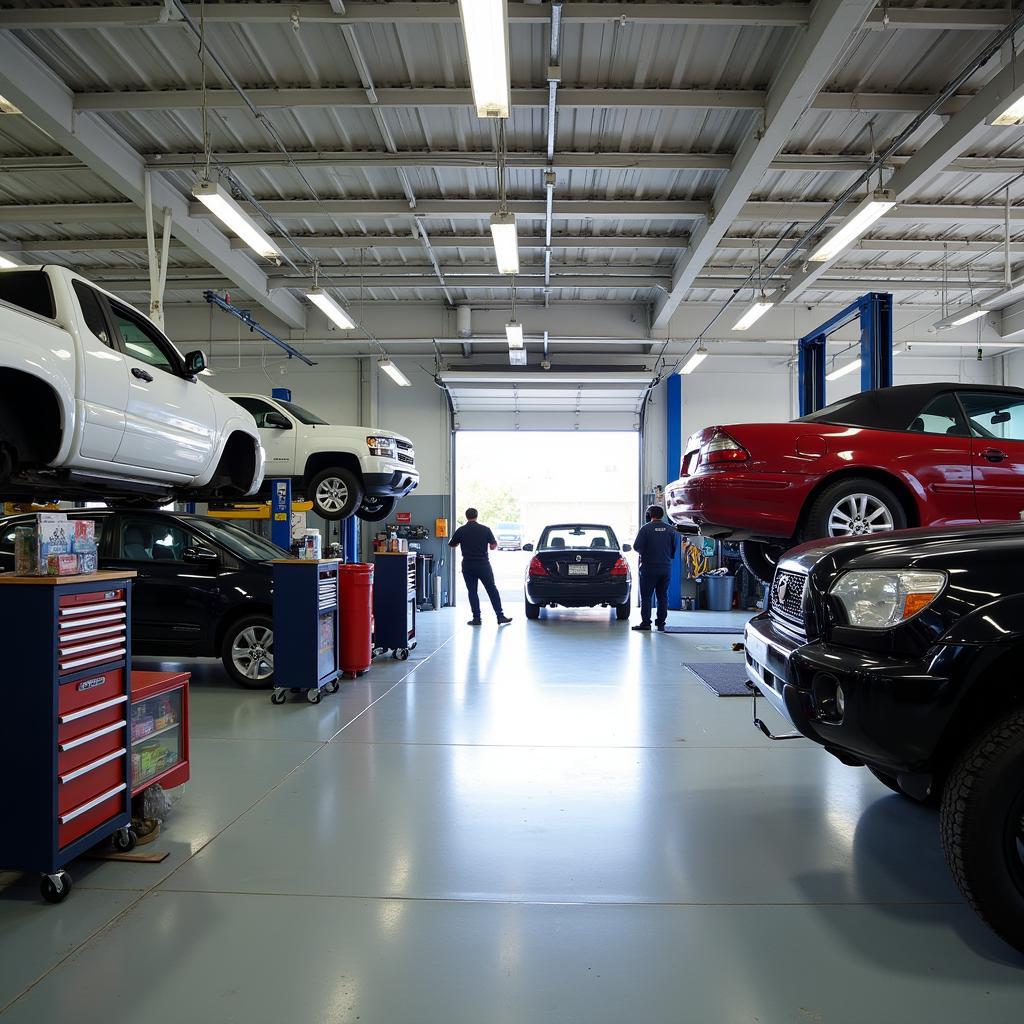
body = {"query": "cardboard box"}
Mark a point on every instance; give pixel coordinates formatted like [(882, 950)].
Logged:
[(53, 545)]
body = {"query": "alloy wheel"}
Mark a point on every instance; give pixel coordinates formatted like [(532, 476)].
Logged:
[(855, 515), (332, 494), (252, 653)]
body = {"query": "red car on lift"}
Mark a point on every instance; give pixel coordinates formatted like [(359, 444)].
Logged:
[(916, 455)]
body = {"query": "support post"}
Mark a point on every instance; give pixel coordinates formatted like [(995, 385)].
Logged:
[(876, 341), (350, 540), (673, 458), (281, 513), (811, 371)]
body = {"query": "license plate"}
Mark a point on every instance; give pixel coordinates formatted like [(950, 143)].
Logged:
[(756, 648), (579, 570)]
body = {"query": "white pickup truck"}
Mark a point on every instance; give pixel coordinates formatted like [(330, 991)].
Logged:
[(96, 402), (342, 470)]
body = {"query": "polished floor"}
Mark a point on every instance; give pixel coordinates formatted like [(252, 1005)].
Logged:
[(551, 822)]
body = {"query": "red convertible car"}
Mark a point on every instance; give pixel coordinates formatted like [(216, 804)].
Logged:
[(915, 455)]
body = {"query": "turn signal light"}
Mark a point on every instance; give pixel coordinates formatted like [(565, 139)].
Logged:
[(537, 567), (722, 448), (620, 568)]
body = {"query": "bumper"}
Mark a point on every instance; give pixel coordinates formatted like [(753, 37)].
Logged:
[(391, 483), (895, 709), (577, 594), (738, 505)]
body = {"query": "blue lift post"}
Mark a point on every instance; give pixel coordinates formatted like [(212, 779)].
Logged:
[(673, 457), (281, 513), (874, 311)]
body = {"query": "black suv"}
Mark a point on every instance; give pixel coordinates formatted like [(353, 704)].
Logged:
[(204, 587), (902, 653)]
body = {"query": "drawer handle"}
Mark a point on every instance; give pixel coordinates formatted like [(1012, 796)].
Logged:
[(95, 802), (111, 655), (98, 763), (86, 634), (85, 609), (93, 620), (89, 736), (73, 716), (94, 645)]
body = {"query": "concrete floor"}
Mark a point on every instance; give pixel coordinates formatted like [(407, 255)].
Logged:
[(553, 822)]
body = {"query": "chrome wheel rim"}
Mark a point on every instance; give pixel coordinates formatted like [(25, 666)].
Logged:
[(332, 494), (856, 515), (252, 653)]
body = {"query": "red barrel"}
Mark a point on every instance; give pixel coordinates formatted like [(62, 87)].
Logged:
[(355, 603)]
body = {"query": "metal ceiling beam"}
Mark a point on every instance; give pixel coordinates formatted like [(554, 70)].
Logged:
[(953, 246), (47, 101), (803, 70), (769, 15)]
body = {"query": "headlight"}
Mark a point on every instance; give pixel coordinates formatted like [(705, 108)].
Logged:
[(381, 445), (879, 599)]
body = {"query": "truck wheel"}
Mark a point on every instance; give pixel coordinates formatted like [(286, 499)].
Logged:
[(853, 507), (248, 652), (761, 559), (982, 823), (375, 509), (336, 493)]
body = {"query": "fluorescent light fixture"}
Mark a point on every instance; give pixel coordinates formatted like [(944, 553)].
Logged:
[(506, 244), (7, 107), (395, 373), (959, 317), (514, 333), (485, 23), (694, 361), (517, 356), (6, 263), (330, 308), (842, 371), (752, 315), (880, 201), (217, 200), (1013, 114)]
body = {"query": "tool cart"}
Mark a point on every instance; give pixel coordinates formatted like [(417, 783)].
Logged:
[(394, 603), (64, 740), (306, 628), (159, 727)]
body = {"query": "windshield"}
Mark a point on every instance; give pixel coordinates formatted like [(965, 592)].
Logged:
[(302, 415), (509, 527), (240, 542), (578, 537), (830, 412)]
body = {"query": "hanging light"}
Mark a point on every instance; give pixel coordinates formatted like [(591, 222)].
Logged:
[(880, 202), (695, 360), (842, 371), (514, 334), (517, 357), (6, 263), (506, 244), (753, 314), (485, 23), (394, 373), (217, 200), (959, 318), (330, 308), (1013, 114)]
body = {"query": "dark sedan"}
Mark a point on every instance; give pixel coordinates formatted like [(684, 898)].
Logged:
[(204, 586), (902, 653), (578, 565)]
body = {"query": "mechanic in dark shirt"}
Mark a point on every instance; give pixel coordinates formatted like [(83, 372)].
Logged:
[(656, 544), (476, 540)]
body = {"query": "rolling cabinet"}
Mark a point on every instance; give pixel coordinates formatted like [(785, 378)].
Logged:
[(64, 737), (394, 603), (159, 729)]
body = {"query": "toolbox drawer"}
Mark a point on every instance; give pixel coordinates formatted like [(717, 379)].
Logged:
[(91, 629), (75, 823), (103, 740), (77, 786), (106, 717), (92, 690)]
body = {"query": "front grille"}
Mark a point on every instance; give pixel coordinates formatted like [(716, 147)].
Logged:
[(788, 593), (409, 459), (404, 446)]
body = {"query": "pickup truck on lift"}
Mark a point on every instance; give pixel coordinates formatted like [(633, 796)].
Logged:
[(342, 470), (96, 402)]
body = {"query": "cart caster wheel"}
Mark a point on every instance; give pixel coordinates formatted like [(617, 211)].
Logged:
[(333, 687), (313, 696), (124, 840), (403, 654), (278, 696), (55, 888)]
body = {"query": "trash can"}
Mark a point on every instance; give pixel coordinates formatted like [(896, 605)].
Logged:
[(719, 592), (355, 602)]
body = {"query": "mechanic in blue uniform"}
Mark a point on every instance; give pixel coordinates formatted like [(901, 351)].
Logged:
[(656, 544), (476, 540)]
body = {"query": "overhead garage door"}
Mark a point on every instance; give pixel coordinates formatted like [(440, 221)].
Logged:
[(546, 401)]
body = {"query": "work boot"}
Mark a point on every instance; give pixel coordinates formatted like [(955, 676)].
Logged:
[(661, 627), (644, 627), (503, 620), (474, 622)]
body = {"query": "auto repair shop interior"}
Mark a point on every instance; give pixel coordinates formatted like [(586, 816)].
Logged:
[(714, 314)]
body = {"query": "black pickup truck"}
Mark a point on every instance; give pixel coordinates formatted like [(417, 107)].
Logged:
[(904, 653)]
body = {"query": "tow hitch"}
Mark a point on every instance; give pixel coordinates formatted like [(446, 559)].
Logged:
[(761, 727)]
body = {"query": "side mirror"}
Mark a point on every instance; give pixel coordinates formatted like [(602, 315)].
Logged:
[(627, 547), (202, 556), (195, 363), (527, 547), (277, 420)]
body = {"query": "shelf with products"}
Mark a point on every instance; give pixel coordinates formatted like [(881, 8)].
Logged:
[(159, 729)]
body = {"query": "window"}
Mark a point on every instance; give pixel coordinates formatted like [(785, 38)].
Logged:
[(92, 311), (241, 542), (141, 341), (993, 415), (28, 289), (257, 407), (941, 415), (578, 537), (152, 540), (304, 415)]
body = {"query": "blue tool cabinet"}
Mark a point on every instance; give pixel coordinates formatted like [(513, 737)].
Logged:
[(306, 628), (394, 603), (65, 749)]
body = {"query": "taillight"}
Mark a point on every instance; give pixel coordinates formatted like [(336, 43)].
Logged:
[(620, 568), (537, 567), (722, 448)]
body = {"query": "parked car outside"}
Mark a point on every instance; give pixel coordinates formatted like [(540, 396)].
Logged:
[(902, 653), (578, 565), (204, 587), (509, 536), (98, 402), (342, 470), (915, 455)]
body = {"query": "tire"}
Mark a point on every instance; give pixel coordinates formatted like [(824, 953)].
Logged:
[(761, 559), (532, 610), (335, 493), (376, 510), (855, 506), (982, 824), (250, 669), (622, 611)]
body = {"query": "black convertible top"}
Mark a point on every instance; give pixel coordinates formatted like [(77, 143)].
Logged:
[(894, 408)]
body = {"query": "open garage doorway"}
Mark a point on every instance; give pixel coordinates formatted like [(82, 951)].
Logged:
[(522, 481)]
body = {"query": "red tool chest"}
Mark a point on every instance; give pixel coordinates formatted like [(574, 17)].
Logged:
[(159, 720)]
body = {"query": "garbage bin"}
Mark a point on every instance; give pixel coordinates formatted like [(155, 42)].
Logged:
[(355, 602), (719, 592)]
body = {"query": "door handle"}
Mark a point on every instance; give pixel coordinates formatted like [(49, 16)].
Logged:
[(994, 455), (142, 375)]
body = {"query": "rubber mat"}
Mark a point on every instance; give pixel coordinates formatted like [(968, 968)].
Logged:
[(727, 679)]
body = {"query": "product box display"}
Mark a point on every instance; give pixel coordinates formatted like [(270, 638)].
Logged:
[(54, 546)]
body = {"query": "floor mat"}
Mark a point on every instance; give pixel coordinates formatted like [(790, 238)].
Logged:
[(726, 679), (738, 629)]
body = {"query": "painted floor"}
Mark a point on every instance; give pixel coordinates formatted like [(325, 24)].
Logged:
[(550, 822)]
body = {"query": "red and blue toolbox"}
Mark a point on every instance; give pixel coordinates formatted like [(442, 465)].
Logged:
[(65, 749), (394, 603)]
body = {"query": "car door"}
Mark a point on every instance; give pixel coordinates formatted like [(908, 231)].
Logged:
[(278, 441), (174, 595), (170, 423), (996, 420)]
